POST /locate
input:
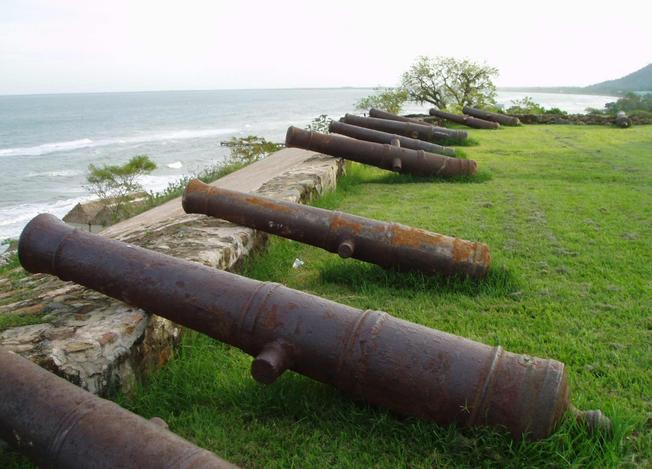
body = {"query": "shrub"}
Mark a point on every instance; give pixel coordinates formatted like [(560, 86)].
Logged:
[(385, 99), (320, 124), (117, 184)]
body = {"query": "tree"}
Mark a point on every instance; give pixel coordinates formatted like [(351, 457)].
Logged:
[(249, 149), (321, 123), (115, 184), (385, 99), (445, 81)]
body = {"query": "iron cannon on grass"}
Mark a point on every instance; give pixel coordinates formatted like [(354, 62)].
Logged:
[(402, 366), (59, 425), (386, 156), (385, 244), (427, 132), (465, 120)]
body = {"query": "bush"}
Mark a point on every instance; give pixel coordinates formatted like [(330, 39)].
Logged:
[(528, 106), (243, 152), (385, 99), (117, 184), (629, 103), (320, 123)]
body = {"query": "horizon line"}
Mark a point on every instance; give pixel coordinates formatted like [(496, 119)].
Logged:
[(499, 88)]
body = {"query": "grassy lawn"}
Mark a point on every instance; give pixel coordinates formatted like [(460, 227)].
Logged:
[(567, 213)]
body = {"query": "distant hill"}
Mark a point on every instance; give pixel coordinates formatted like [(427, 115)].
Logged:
[(640, 80)]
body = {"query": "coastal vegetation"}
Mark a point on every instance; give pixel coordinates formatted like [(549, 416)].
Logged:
[(632, 104), (527, 105), (385, 99), (447, 82), (444, 82), (116, 184), (564, 210)]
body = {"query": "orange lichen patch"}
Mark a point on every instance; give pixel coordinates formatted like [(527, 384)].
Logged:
[(415, 238)]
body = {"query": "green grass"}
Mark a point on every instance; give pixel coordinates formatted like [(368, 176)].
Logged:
[(567, 213)]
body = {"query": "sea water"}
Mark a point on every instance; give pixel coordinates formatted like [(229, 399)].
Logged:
[(48, 141)]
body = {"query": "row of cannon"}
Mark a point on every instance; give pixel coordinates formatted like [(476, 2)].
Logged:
[(405, 367)]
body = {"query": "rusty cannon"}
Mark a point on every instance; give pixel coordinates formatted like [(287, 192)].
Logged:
[(427, 132), (502, 119), (622, 120), (465, 120), (385, 244), (405, 367), (390, 157), (370, 135), (59, 425), (378, 114)]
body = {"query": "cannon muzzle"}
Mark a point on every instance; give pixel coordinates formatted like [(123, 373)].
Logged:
[(502, 119), (370, 135), (59, 425), (385, 244), (465, 120), (391, 157), (427, 132), (405, 367)]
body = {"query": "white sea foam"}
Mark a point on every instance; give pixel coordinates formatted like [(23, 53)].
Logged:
[(13, 219), (175, 165), (54, 147), (47, 148), (61, 173)]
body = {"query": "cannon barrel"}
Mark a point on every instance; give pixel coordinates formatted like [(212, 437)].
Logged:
[(405, 367), (370, 135), (385, 244), (385, 156), (465, 120), (59, 425), (378, 114), (502, 119), (622, 120), (427, 132)]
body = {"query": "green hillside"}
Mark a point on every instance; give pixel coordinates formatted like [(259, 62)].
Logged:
[(640, 80)]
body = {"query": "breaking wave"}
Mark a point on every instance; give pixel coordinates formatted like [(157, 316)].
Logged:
[(55, 147)]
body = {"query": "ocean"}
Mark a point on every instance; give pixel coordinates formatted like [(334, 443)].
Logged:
[(48, 141)]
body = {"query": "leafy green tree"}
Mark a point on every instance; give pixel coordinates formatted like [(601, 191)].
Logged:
[(385, 99), (629, 103), (249, 149), (525, 106), (116, 184), (528, 106), (320, 123), (447, 81)]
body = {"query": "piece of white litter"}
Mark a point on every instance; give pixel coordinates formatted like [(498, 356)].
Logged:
[(297, 263), (175, 165)]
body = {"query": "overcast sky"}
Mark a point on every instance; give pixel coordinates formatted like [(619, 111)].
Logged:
[(128, 45)]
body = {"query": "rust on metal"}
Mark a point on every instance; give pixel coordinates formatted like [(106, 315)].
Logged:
[(405, 367), (378, 114), (385, 244), (465, 120), (502, 119), (427, 132), (59, 425), (370, 135), (385, 156)]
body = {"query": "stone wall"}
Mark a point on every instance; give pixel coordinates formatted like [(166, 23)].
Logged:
[(578, 119), (102, 344)]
